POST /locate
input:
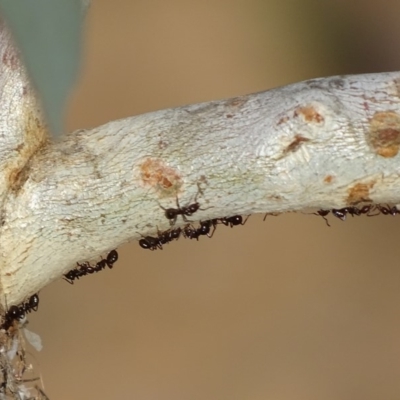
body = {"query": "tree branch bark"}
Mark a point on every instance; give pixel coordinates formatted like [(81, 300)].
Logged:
[(324, 143)]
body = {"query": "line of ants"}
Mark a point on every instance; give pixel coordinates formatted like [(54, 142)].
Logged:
[(368, 210), (18, 312), (86, 268), (206, 228), (190, 232)]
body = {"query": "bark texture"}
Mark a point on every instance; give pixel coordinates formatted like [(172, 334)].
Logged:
[(324, 143)]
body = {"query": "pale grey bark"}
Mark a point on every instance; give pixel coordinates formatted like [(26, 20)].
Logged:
[(323, 143)]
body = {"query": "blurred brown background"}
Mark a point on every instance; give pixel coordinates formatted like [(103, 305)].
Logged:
[(282, 309)]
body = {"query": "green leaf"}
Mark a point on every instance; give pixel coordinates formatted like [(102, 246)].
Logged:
[(48, 33)]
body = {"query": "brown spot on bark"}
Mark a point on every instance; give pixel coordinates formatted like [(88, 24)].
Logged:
[(156, 173), (10, 59), (237, 101), (310, 114), (203, 179), (229, 116), (359, 192), (34, 140), (276, 197), (296, 143), (282, 120), (17, 178), (384, 133), (162, 144), (328, 179), (337, 83), (397, 86)]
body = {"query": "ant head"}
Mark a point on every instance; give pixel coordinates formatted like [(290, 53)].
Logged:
[(144, 244), (14, 312), (34, 302), (204, 228), (236, 219), (171, 213)]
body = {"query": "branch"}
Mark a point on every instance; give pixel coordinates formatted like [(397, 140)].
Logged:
[(325, 143)]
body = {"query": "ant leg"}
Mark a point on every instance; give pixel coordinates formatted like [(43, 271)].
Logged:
[(271, 214), (373, 208), (170, 213), (245, 220), (326, 220), (210, 235), (199, 191)]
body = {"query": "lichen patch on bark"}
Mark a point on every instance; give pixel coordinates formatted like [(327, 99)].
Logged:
[(296, 143), (384, 133), (309, 114), (158, 174), (359, 193)]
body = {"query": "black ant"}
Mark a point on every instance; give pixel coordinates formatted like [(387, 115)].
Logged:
[(190, 232), (388, 210), (18, 312), (203, 230), (367, 209), (359, 211), (76, 273), (154, 243), (150, 242), (86, 268), (205, 227), (342, 212), (233, 221), (187, 211)]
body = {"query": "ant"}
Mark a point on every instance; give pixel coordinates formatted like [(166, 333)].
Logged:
[(150, 242), (388, 210), (154, 243), (341, 213), (204, 229), (359, 211), (82, 270), (186, 211), (190, 232), (233, 221), (86, 268), (18, 312)]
